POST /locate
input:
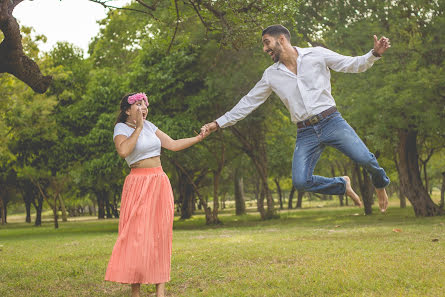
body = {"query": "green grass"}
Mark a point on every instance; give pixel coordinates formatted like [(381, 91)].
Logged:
[(309, 252)]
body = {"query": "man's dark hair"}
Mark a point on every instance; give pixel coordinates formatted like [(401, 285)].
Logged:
[(276, 31)]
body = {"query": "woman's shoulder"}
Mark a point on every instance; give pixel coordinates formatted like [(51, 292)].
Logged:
[(149, 124), (121, 128)]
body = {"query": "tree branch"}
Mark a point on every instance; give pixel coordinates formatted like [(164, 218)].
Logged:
[(105, 5), (207, 26), (176, 28), (12, 58), (151, 7)]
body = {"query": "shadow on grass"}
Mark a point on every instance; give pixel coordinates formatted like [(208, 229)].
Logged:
[(315, 217), (24, 231), (311, 218)]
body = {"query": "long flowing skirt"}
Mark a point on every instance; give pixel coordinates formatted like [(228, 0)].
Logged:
[(142, 253)]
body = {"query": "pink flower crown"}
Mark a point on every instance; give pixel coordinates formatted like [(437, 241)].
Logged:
[(137, 97)]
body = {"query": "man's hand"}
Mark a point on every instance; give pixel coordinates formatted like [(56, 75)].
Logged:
[(211, 127), (204, 133), (381, 45)]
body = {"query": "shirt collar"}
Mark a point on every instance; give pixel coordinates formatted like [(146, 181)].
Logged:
[(301, 52)]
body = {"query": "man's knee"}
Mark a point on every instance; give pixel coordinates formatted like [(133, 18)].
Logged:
[(367, 160), (300, 182)]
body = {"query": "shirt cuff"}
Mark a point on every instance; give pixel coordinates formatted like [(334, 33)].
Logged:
[(222, 121), (370, 57)]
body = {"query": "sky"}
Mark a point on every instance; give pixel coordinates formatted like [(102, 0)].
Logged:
[(74, 21)]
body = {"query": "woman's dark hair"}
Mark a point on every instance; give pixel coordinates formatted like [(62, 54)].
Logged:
[(122, 117), (276, 31)]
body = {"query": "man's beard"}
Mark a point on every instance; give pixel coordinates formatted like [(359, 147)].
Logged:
[(276, 52)]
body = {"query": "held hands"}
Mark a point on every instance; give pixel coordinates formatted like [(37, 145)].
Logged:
[(381, 45), (203, 134), (212, 127), (207, 129)]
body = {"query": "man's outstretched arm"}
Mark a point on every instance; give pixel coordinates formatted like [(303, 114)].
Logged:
[(356, 64), (257, 96)]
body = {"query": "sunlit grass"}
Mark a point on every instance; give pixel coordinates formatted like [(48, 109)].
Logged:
[(310, 252)]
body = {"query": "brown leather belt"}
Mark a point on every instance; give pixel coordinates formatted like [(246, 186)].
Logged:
[(317, 118)]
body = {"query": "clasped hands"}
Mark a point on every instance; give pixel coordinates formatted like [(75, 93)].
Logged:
[(207, 129)]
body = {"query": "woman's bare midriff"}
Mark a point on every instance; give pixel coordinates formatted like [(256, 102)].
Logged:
[(147, 163)]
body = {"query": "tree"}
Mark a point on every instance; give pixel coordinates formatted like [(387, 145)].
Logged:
[(13, 59)]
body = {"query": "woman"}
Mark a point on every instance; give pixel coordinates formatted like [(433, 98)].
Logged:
[(142, 252)]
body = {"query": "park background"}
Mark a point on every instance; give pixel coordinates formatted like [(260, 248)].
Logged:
[(241, 228)]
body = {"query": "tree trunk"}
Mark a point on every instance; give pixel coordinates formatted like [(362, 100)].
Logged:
[(182, 171), (56, 216), (257, 154), (3, 210), (366, 188), (425, 177), (265, 192), (442, 192), (186, 199), (223, 201), (28, 196), (240, 203), (344, 166), (291, 197), (260, 203), (340, 199), (114, 205), (402, 198), (28, 211), (424, 166), (300, 199), (63, 208), (216, 177), (94, 207), (280, 195), (52, 205), (107, 205), (38, 208), (100, 205), (409, 175)]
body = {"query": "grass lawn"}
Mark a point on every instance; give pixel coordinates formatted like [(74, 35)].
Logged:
[(310, 252)]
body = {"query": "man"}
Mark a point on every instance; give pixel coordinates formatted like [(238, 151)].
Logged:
[(301, 78)]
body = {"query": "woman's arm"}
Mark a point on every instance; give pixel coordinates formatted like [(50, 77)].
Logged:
[(180, 144), (125, 145)]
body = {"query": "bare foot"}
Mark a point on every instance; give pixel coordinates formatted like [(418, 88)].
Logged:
[(135, 290), (350, 192), (160, 290), (383, 199)]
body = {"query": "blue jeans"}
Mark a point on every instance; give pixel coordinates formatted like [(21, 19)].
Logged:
[(336, 132)]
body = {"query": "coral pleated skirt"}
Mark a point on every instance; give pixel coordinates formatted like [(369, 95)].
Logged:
[(142, 253)]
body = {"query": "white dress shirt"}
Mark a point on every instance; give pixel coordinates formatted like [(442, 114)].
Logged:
[(306, 94)]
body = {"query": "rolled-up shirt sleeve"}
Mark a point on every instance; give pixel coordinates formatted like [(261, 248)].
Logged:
[(257, 96), (347, 64)]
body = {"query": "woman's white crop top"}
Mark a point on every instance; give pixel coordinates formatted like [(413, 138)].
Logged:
[(148, 144)]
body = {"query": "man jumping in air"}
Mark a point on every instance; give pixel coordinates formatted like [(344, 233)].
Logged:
[(301, 78)]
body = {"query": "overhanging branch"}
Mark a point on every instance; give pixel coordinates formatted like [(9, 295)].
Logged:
[(12, 58)]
